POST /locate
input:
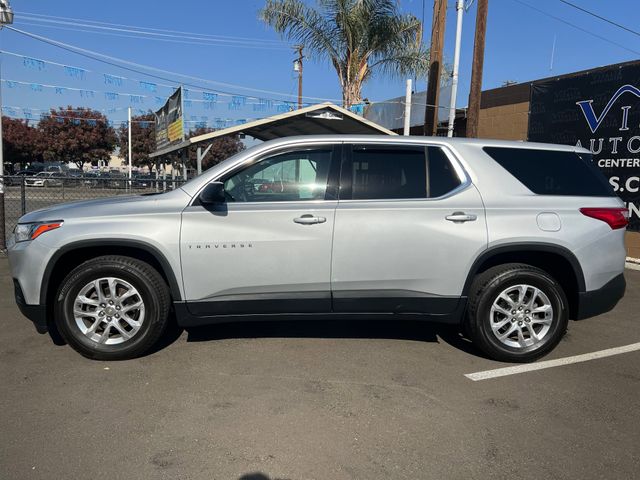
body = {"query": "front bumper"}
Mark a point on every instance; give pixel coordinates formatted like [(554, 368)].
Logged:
[(36, 313), (602, 300)]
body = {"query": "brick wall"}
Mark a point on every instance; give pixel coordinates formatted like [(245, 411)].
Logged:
[(504, 122), (632, 240)]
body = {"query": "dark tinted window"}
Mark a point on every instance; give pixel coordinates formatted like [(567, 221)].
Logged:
[(442, 176), (549, 172), (381, 172)]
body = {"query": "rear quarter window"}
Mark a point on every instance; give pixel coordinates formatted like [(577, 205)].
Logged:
[(551, 172)]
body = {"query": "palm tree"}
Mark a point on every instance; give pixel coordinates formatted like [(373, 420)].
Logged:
[(358, 37)]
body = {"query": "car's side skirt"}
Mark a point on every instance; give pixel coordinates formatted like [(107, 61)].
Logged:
[(322, 307)]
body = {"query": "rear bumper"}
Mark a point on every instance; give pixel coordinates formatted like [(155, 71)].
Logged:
[(602, 300), (36, 313)]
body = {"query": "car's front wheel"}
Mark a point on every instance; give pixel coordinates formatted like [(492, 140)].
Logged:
[(112, 308), (516, 313)]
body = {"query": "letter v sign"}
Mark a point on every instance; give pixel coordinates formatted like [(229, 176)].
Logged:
[(587, 107)]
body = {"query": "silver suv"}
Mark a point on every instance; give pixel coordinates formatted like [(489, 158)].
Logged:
[(507, 240)]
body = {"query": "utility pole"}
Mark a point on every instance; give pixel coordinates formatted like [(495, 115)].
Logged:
[(456, 65), (476, 72), (130, 151), (435, 65), (407, 109), (6, 18), (297, 67)]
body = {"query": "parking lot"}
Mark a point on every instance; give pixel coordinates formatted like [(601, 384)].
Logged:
[(337, 400)]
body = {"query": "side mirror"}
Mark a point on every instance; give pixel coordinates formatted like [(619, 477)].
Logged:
[(213, 193)]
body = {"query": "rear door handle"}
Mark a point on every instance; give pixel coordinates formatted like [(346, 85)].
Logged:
[(309, 219), (461, 217)]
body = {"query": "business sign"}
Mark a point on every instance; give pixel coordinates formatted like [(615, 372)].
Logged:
[(600, 111), (169, 121)]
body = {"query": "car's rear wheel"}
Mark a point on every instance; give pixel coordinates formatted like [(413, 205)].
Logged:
[(516, 313), (112, 308)]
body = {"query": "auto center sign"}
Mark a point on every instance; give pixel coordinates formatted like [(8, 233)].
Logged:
[(600, 111)]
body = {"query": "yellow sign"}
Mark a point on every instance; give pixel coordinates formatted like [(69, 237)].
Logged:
[(175, 130)]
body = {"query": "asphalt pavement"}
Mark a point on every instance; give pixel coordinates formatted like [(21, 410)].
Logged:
[(319, 400)]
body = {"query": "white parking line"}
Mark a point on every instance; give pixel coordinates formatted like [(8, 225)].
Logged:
[(530, 367)]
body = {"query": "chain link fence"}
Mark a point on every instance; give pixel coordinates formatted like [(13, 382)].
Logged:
[(23, 194)]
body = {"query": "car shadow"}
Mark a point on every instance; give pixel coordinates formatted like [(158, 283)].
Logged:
[(256, 476), (419, 331)]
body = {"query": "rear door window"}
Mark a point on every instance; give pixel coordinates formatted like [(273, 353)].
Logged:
[(552, 172), (382, 172)]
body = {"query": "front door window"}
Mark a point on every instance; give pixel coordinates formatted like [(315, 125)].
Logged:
[(287, 177)]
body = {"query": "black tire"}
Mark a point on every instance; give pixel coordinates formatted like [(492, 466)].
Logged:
[(152, 290), (486, 288)]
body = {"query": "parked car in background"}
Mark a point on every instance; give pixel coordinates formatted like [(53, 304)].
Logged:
[(118, 179), (73, 177), (143, 181), (59, 169), (16, 178), (111, 179), (44, 179), (89, 179)]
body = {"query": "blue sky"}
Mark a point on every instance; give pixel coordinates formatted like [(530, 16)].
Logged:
[(519, 45)]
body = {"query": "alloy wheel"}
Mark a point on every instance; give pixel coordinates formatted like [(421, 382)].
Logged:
[(109, 310), (521, 316)]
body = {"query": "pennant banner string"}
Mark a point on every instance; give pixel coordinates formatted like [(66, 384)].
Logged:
[(237, 101), (109, 79), (28, 115)]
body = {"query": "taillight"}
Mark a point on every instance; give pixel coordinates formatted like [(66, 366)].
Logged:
[(614, 217)]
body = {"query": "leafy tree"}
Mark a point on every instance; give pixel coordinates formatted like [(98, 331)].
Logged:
[(20, 141), (143, 140), (78, 135), (358, 37), (222, 148)]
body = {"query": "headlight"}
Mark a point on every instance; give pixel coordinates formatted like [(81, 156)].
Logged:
[(31, 231)]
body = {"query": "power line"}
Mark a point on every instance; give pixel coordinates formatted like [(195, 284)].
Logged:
[(173, 39), (163, 30), (109, 60), (172, 86), (600, 17), (143, 32), (562, 20), (134, 67)]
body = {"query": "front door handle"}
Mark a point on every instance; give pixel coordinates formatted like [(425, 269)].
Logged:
[(309, 219), (461, 217)]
